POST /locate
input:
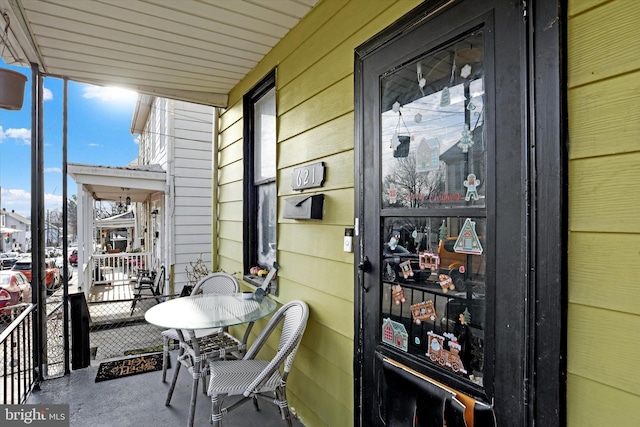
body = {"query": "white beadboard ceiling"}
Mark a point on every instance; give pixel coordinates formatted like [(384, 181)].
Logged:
[(192, 50)]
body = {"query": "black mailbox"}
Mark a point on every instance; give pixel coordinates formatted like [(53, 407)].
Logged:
[(304, 207)]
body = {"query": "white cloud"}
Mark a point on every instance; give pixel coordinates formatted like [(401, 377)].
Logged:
[(2, 136), (53, 201), (93, 144), (21, 134), (17, 200), (56, 170), (47, 94), (108, 93), (136, 140)]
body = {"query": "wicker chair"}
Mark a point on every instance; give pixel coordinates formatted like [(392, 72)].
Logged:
[(212, 343), (253, 378)]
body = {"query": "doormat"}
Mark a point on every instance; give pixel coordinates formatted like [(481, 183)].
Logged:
[(126, 367)]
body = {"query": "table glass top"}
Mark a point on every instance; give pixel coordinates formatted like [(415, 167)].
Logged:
[(208, 311)]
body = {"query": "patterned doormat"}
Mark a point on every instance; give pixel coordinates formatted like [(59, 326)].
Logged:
[(131, 366)]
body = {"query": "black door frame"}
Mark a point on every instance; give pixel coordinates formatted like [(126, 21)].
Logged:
[(544, 76)]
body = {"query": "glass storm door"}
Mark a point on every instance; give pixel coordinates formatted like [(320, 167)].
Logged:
[(443, 238)]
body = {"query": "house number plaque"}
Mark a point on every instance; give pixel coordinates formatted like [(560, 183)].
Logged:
[(309, 176)]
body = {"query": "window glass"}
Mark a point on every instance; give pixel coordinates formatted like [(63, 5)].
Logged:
[(260, 190), (265, 137), (267, 224), (433, 164), (432, 130), (434, 287)]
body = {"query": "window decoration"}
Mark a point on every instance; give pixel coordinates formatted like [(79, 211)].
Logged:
[(423, 311), (468, 241), (395, 334), (466, 141), (472, 184)]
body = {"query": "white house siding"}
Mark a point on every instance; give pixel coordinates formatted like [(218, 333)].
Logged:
[(183, 146)]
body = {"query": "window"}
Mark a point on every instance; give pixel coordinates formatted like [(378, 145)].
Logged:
[(260, 193)]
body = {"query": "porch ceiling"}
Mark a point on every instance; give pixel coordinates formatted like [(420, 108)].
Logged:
[(188, 50), (116, 183)]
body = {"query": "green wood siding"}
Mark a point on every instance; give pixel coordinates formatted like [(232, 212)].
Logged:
[(315, 123), (604, 221)]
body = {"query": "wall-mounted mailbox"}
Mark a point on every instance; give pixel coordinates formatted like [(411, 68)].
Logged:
[(304, 207)]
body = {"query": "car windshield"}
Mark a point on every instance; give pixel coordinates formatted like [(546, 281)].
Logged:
[(22, 266)]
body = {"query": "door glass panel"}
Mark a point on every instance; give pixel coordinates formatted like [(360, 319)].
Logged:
[(433, 160), (432, 129), (433, 302)]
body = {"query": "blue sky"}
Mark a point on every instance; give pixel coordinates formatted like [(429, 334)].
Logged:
[(99, 122)]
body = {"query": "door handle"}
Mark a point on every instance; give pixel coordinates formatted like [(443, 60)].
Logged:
[(365, 265)]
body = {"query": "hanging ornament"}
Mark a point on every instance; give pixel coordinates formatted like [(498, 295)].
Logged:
[(400, 143), (396, 107), (465, 71), (445, 97), (422, 82), (417, 118), (466, 140)]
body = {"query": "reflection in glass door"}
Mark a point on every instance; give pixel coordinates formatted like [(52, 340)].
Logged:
[(433, 161)]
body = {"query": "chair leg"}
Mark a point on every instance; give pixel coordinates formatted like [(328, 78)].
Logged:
[(281, 397), (165, 358), (175, 378), (216, 412)]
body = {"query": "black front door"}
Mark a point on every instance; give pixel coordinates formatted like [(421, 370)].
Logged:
[(443, 153)]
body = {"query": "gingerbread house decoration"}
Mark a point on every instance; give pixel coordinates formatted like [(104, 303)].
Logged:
[(423, 311), (428, 155), (395, 334), (468, 241)]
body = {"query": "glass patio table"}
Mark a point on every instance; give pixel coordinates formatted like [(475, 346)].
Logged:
[(205, 311)]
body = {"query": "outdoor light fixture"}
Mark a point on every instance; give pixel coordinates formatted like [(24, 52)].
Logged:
[(128, 201)]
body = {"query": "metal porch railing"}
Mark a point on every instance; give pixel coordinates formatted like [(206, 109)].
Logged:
[(16, 361)]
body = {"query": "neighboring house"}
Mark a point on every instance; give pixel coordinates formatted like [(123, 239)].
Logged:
[(17, 236), (177, 136), (169, 186)]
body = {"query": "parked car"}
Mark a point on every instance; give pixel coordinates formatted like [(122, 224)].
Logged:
[(23, 265), (73, 257), (60, 264), (52, 274), (14, 288), (8, 259)]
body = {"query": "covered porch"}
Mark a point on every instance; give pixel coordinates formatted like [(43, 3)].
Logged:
[(105, 404)]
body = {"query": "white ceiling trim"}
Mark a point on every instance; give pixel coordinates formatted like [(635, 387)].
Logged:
[(189, 50)]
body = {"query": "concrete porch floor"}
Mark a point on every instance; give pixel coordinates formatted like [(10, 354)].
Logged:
[(138, 401)]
